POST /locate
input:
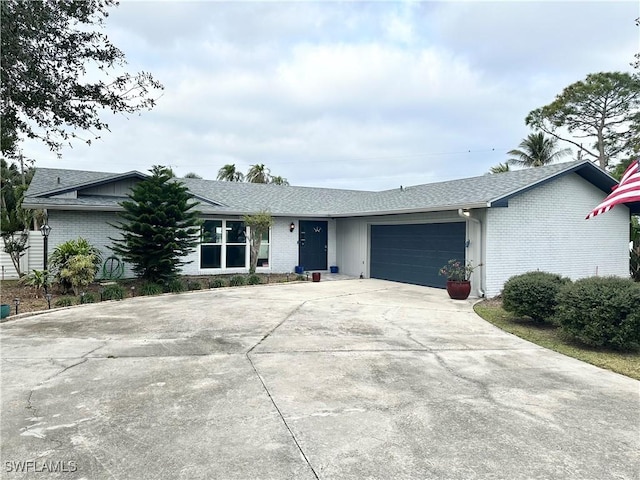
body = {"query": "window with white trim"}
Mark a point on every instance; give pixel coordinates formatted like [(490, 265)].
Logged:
[(224, 244)]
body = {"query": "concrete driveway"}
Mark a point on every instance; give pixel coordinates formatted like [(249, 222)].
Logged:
[(331, 380)]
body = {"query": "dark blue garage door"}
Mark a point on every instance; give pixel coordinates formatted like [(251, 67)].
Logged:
[(415, 253)]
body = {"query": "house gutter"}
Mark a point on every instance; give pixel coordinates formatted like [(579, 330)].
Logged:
[(461, 214)]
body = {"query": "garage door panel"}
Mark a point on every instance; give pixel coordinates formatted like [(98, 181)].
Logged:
[(414, 253)]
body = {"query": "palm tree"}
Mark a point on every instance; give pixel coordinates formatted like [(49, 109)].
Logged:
[(537, 150), (228, 173), (500, 168), (192, 175), (278, 180), (258, 173)]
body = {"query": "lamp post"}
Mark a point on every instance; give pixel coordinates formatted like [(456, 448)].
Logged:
[(45, 230)]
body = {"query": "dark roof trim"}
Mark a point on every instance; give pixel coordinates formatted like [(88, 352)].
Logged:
[(587, 170)]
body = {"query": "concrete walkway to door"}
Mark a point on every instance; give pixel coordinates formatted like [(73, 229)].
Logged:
[(332, 380)]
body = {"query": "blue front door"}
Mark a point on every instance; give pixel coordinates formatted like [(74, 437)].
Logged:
[(312, 245)]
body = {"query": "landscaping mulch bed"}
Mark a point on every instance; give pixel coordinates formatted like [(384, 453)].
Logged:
[(32, 300)]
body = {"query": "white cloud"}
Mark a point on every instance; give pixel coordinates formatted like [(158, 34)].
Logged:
[(353, 95)]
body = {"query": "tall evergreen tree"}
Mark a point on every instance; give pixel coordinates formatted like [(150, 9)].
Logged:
[(159, 226)]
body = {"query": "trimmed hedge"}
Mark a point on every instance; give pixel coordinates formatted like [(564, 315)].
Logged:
[(601, 312), (253, 280), (533, 294)]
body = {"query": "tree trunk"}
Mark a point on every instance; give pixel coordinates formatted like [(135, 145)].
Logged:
[(256, 242)]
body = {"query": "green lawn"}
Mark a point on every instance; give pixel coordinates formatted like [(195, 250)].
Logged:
[(547, 336)]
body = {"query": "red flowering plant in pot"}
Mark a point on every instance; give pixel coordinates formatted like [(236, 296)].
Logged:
[(458, 274)]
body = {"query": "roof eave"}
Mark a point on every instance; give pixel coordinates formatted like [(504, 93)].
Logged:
[(596, 176)]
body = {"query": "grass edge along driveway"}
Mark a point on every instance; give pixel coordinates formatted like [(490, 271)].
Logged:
[(548, 336)]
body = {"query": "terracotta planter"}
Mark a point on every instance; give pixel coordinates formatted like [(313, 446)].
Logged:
[(315, 276), (459, 290)]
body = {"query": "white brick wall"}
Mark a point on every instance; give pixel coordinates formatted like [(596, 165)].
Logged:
[(545, 229), (92, 226)]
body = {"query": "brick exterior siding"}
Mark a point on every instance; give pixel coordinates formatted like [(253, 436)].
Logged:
[(545, 229)]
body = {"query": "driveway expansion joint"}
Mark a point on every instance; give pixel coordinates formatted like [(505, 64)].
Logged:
[(284, 421)]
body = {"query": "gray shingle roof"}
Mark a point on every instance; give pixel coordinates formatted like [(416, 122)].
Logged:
[(237, 198)]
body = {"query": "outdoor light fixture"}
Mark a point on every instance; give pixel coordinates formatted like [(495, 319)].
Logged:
[(45, 230), (292, 227), (17, 303)]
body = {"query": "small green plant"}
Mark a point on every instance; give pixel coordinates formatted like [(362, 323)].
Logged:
[(300, 278), (150, 288), (601, 312), (63, 302), (39, 279), (216, 283), (533, 294), (88, 297), (237, 281), (195, 285), (253, 280), (113, 292), (175, 285)]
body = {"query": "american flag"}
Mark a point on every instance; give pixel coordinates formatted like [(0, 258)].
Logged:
[(626, 192)]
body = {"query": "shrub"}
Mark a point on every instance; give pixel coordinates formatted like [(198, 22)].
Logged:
[(300, 278), (532, 294), (39, 279), (236, 281), (601, 312), (63, 302), (88, 298), (79, 271), (150, 288), (113, 292), (216, 283), (62, 256), (175, 285), (195, 285), (253, 280)]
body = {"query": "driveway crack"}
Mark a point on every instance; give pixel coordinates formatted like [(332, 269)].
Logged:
[(284, 421), (295, 310), (30, 407)]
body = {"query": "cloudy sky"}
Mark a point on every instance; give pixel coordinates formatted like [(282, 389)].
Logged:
[(362, 95)]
